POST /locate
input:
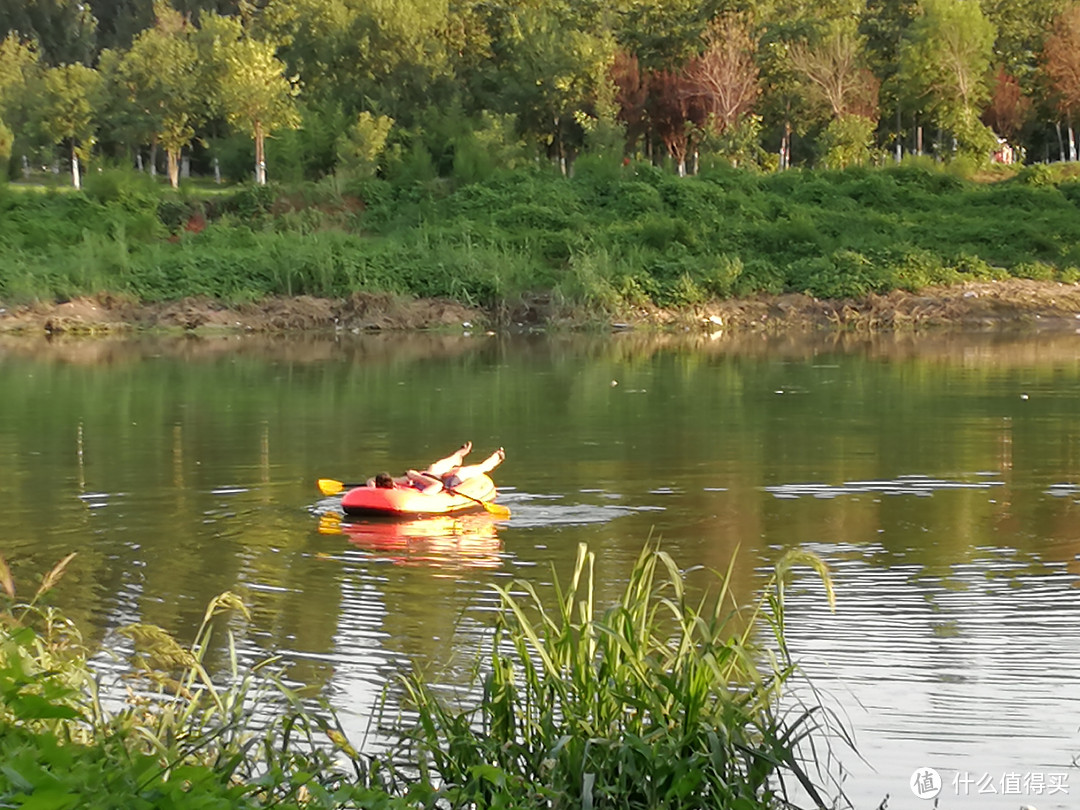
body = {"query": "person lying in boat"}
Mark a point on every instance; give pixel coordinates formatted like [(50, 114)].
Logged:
[(446, 472), (449, 472)]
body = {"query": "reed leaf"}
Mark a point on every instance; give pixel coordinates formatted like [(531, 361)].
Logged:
[(658, 700), (6, 580)]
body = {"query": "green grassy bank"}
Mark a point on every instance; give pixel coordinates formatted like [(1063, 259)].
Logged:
[(663, 699), (610, 237)]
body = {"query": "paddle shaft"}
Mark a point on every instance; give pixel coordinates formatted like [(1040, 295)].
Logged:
[(492, 508)]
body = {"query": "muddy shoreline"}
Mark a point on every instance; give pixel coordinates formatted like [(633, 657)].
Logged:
[(1014, 303)]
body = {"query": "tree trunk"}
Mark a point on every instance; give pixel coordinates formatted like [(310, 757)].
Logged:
[(25, 168), (260, 154), (785, 146), (172, 157), (217, 170), (899, 143), (153, 158), (138, 160), (1061, 142), (1072, 143), (75, 179)]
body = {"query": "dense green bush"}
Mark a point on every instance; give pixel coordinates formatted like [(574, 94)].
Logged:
[(612, 236)]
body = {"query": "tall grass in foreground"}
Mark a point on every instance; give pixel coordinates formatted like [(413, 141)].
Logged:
[(179, 740), (659, 701)]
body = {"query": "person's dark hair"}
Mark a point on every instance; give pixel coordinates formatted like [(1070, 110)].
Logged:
[(384, 481)]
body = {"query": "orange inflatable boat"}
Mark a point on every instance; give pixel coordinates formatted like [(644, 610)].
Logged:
[(407, 501)]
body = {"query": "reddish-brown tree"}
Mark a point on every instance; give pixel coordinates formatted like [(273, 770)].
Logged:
[(670, 113), (632, 90), (1009, 107), (1061, 60)]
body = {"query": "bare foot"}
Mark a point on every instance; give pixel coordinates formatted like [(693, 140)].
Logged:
[(465, 449), (501, 454)]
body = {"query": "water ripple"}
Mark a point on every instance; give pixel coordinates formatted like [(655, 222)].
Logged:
[(942, 675), (918, 485)]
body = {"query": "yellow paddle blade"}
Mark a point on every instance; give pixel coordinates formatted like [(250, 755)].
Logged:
[(328, 486), (496, 510), (330, 523)]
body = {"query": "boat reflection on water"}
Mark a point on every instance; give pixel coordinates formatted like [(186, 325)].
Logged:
[(441, 541)]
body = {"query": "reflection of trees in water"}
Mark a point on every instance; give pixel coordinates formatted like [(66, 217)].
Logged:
[(301, 348), (971, 349), (167, 422)]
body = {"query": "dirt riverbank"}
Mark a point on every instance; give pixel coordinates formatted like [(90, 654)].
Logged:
[(975, 305)]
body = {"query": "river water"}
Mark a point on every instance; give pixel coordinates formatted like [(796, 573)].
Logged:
[(939, 477)]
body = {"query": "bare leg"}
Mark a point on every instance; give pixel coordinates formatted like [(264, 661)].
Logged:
[(424, 482), (445, 465), (485, 466)]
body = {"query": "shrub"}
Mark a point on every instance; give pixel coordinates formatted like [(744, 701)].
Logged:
[(1039, 271), (633, 199), (721, 275), (180, 740), (847, 141), (659, 701), (843, 274), (361, 147)]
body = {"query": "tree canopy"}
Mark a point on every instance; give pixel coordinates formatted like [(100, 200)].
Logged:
[(735, 79)]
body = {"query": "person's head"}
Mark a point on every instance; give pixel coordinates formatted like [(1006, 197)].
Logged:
[(384, 481)]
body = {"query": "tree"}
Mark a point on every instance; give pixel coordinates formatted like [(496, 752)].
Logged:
[(665, 35), (18, 64), (945, 63), (163, 78), (20, 73), (252, 91), (67, 110), (1022, 27), (63, 30), (631, 95), (1061, 63), (835, 76), (123, 122), (884, 23), (7, 141), (392, 56), (724, 78), (671, 114), (359, 149), (552, 60), (120, 21), (1009, 108), (835, 71)]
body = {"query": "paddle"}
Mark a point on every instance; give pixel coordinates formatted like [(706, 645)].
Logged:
[(490, 508), (328, 486)]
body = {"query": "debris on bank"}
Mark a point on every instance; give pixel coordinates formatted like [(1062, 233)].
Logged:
[(972, 305)]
